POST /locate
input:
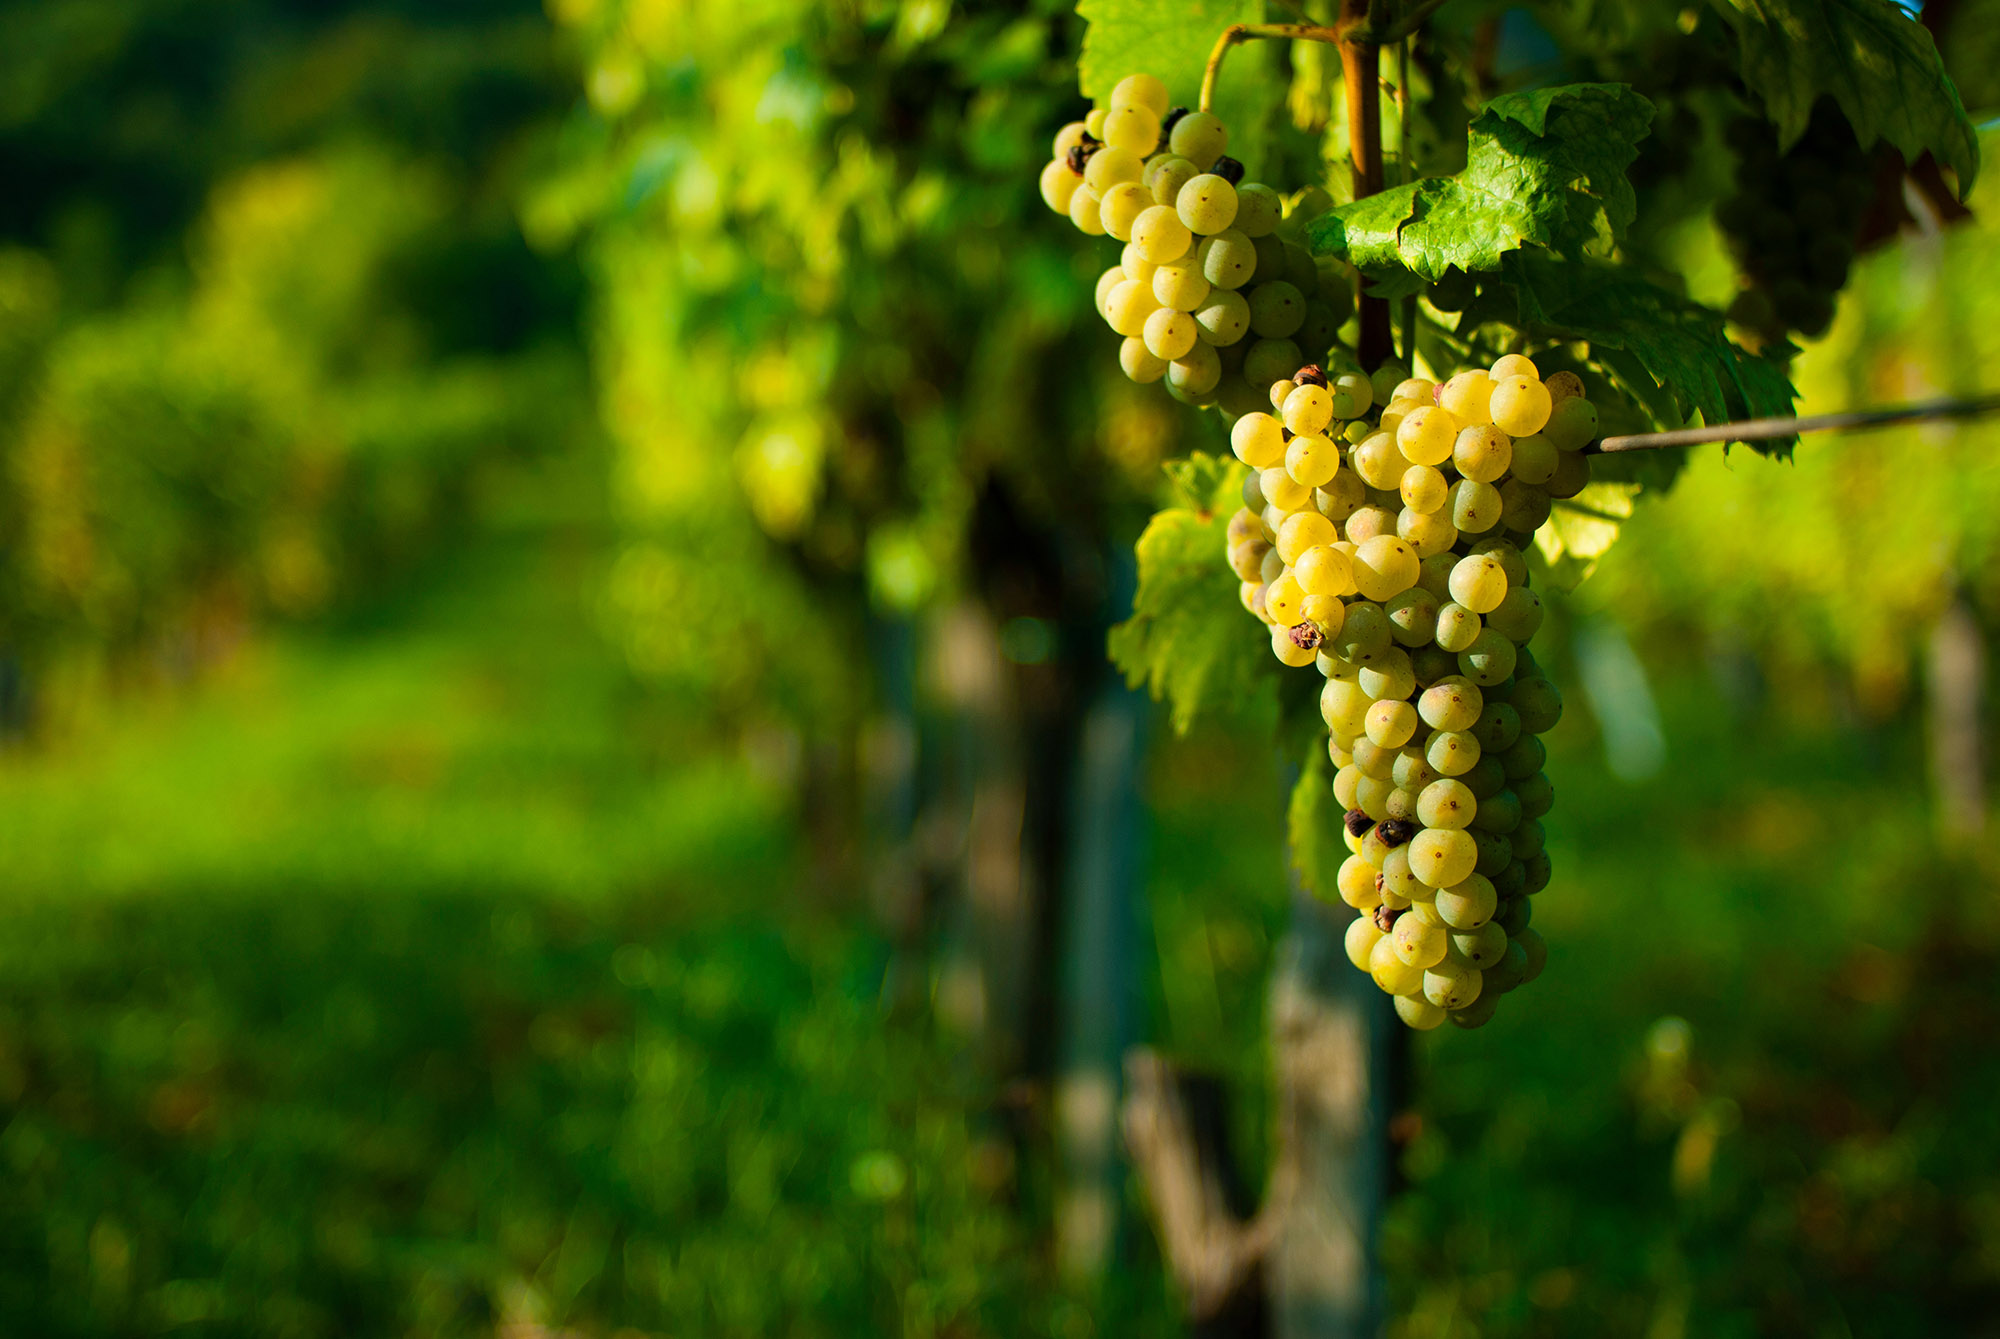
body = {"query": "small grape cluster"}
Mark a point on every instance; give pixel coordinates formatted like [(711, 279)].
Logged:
[(1209, 294), (1793, 220), (1390, 554)]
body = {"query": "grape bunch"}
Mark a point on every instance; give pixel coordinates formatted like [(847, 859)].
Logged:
[(1792, 221), (1210, 293), (1391, 555)]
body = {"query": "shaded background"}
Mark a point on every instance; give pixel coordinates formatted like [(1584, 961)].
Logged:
[(559, 772)]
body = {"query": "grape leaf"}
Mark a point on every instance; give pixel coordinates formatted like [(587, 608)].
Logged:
[(1188, 639), (1172, 39), (1582, 529), (1879, 64), (1680, 359), (1313, 828), (1544, 168)]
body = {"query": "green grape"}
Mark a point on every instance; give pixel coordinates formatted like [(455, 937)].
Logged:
[(1228, 260), (1127, 307), (1483, 947), (1381, 463), (1475, 507), (1423, 488), (1258, 209), (1179, 285), (1452, 986), (1495, 851), (1518, 616), (1397, 877), (1277, 309), (1207, 204), (1499, 725), (1302, 531), (1165, 175), (1139, 90), (1356, 883), (1539, 703), (1384, 566), (1325, 570), (1457, 628), (1452, 752), (1572, 424), (1106, 282), (1536, 950), (1390, 724), (1529, 840), (1345, 780), (1270, 359), (1479, 582), (1525, 758), (1372, 758), (1169, 334), (1561, 386), (1537, 871), (1370, 522), (1369, 628), (1134, 127), (1317, 331), (1469, 397), (1308, 408), (1523, 507), (1478, 1014), (1201, 138), (1391, 973), (1489, 660), (1159, 234), (1535, 459), (1441, 857), (1482, 453), (1536, 794), (1413, 616), (1110, 166), (1451, 704), (1520, 405), (1139, 363), (1258, 440), (1412, 770), (1499, 813), (1506, 974), (1389, 678), (1445, 803), (1361, 939), (1418, 942), (1236, 396), (1341, 497), (1516, 909), (1429, 534), (1223, 318), (1487, 777), (1431, 664), (1199, 370), (1084, 204), (1572, 476), (1419, 1014), (1436, 576)]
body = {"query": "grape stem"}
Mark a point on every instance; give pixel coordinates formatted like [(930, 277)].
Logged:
[(1244, 32), (1765, 429)]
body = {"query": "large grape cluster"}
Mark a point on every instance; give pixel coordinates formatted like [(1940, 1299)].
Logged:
[(1389, 553), (1792, 221), (1210, 294)]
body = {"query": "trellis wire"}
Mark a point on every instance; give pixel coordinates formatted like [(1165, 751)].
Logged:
[(1764, 429)]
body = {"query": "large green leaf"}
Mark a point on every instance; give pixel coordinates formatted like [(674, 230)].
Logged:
[(1677, 358), (1869, 56), (1188, 639), (1544, 168), (1172, 39), (1312, 827)]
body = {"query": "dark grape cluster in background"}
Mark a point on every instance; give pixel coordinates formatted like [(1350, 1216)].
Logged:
[(1792, 222)]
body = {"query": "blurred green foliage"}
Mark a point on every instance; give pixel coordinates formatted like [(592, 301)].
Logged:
[(264, 308)]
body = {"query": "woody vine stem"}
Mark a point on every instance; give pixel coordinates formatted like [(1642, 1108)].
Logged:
[(1360, 42)]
